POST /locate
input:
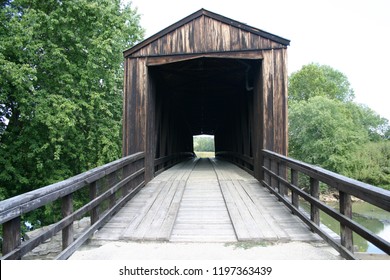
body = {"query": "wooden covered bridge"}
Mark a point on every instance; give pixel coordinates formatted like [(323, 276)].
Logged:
[(206, 74)]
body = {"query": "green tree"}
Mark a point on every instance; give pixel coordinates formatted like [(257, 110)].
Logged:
[(323, 132), (376, 126), (327, 128), (60, 87), (371, 164), (204, 144), (319, 80)]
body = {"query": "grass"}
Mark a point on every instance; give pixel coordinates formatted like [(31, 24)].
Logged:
[(205, 154), (248, 244)]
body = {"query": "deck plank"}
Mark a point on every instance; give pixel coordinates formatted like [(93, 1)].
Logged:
[(203, 216), (204, 201), (157, 218)]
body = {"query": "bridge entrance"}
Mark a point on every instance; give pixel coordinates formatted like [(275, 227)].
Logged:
[(206, 74), (205, 96)]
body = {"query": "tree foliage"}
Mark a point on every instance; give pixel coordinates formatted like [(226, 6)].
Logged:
[(327, 128), (322, 132), (319, 80), (204, 144), (371, 164), (377, 127), (60, 87)]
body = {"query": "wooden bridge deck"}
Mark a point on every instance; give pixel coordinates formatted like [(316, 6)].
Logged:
[(204, 200)]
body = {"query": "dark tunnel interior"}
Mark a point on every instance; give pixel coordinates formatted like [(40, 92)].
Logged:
[(205, 96)]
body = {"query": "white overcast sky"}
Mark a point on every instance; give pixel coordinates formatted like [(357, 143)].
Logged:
[(352, 36)]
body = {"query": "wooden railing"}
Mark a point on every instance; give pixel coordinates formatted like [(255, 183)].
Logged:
[(110, 187), (281, 177)]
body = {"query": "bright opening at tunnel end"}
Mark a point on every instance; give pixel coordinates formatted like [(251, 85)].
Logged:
[(204, 146)]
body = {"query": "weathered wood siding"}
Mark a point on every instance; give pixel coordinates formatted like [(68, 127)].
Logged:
[(259, 120), (275, 101), (205, 35), (135, 106)]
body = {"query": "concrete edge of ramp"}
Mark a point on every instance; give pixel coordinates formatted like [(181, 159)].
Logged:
[(207, 251)]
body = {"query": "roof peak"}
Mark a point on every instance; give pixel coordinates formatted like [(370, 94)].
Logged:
[(215, 16)]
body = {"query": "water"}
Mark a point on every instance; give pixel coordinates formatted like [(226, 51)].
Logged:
[(369, 216), (373, 218)]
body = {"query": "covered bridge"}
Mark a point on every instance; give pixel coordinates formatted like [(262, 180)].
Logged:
[(206, 74)]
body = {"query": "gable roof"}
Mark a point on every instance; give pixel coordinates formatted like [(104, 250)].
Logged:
[(214, 16)]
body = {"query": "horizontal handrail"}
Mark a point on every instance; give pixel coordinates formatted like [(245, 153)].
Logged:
[(369, 193), (275, 170), (115, 182), (24, 203)]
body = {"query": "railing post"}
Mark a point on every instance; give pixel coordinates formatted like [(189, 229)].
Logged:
[(258, 166), (277, 172), (282, 174), (93, 193), (11, 235), (346, 209), (67, 232), (274, 168), (125, 174), (294, 195), (112, 180), (314, 192)]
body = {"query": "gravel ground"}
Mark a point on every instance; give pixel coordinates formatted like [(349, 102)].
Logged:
[(206, 251)]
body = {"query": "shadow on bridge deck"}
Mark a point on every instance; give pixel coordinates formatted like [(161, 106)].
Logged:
[(204, 200)]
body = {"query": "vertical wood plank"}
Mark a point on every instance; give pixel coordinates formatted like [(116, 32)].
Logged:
[(11, 235), (283, 106), (150, 144), (268, 103), (280, 101), (130, 114), (258, 123), (126, 110), (226, 37), (67, 232), (315, 192), (346, 235)]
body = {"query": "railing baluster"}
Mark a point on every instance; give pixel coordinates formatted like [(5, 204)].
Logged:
[(275, 169), (93, 193), (67, 232), (346, 209), (267, 164), (112, 179), (282, 174), (315, 192), (294, 181), (125, 174), (11, 235)]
